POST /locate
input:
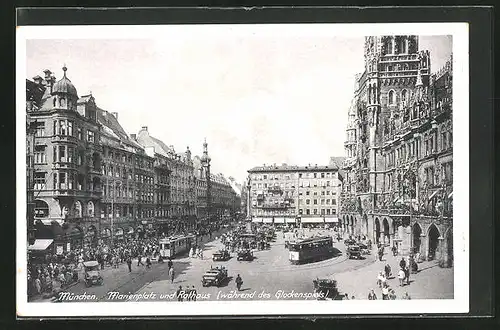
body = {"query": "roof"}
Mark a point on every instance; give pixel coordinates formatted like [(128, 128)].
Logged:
[(110, 125), (146, 140), (65, 86), (294, 168)]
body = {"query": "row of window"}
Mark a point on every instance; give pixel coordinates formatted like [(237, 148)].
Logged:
[(319, 211), (282, 177), (321, 201), (64, 127), (129, 159)]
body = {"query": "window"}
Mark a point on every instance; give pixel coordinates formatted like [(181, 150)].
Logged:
[(327, 202), (308, 201), (79, 133), (62, 181), (392, 97), (40, 130), (90, 209), (265, 177), (327, 211), (62, 128), (315, 211), (300, 175), (41, 209), (404, 96), (334, 202), (62, 154), (307, 193), (308, 212), (90, 136), (322, 175), (328, 183), (315, 202), (322, 211), (70, 128), (334, 211), (40, 157), (39, 180)]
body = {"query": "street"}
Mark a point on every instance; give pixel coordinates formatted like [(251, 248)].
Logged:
[(269, 276)]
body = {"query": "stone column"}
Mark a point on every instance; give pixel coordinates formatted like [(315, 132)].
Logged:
[(441, 255), (382, 238)]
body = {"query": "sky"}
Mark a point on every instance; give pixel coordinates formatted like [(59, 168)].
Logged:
[(256, 98)]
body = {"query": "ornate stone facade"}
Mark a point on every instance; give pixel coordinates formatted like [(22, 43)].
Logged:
[(398, 188)]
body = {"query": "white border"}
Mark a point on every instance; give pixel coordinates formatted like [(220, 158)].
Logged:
[(460, 303)]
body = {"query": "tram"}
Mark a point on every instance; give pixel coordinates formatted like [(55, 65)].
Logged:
[(310, 249), (175, 245)]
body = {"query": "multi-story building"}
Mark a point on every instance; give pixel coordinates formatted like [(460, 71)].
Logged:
[(128, 179), (398, 176), (178, 170), (294, 194), (67, 186)]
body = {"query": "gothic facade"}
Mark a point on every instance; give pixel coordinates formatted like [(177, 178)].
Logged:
[(398, 187)]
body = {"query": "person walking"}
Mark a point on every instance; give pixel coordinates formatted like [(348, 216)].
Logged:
[(171, 273), (402, 263), (380, 253), (179, 293), (385, 292), (139, 260), (129, 264), (388, 271), (372, 295), (401, 277), (407, 273), (239, 282), (170, 264), (193, 293), (148, 263), (394, 250)]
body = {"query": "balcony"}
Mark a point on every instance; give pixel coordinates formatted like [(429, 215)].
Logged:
[(65, 139), (399, 58), (63, 164)]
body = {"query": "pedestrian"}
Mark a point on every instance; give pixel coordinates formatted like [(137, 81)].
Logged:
[(148, 263), (407, 273), (239, 282), (380, 277), (129, 264), (171, 273), (139, 260), (401, 277), (380, 253), (38, 285), (406, 296), (392, 295), (170, 263), (394, 250), (402, 263), (388, 271), (179, 293), (385, 292), (372, 295), (193, 292), (191, 252)]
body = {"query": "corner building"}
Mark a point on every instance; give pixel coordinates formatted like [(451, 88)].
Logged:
[(398, 187), (289, 194), (67, 186)]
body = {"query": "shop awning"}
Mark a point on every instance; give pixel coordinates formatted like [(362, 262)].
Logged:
[(331, 220), (256, 219), (433, 194), (290, 220), (40, 245), (267, 220), (312, 220), (279, 220)]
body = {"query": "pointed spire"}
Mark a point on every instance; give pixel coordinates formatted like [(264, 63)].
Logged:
[(64, 68)]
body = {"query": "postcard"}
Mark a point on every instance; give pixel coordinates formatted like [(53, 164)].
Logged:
[(246, 169)]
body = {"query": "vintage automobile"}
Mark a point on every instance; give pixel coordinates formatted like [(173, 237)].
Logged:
[(92, 273), (245, 255), (221, 255), (364, 248), (327, 288), (349, 241), (215, 276), (353, 251)]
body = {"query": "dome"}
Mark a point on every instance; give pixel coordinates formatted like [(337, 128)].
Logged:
[(205, 158), (64, 86)]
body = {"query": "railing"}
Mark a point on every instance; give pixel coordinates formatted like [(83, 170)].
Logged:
[(65, 138), (399, 58)]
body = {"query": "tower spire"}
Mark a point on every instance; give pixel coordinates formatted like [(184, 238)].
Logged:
[(64, 68)]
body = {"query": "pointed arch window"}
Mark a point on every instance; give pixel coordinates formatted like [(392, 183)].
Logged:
[(78, 209), (90, 209), (392, 97)]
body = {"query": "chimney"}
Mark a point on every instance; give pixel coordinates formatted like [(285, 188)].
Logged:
[(115, 114), (144, 128), (38, 80), (133, 137)]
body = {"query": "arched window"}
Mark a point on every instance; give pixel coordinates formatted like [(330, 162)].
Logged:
[(78, 209), (392, 97), (404, 96), (90, 209), (41, 209)]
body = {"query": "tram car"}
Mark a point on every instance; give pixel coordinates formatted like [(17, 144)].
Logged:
[(171, 247), (310, 249)]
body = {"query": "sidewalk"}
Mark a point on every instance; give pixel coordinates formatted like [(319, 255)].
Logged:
[(430, 282)]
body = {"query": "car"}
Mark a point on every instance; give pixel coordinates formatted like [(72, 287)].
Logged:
[(349, 241), (353, 252), (245, 255), (221, 255), (215, 276), (327, 288), (92, 273)]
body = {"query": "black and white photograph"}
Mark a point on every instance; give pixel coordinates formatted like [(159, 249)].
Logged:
[(235, 169)]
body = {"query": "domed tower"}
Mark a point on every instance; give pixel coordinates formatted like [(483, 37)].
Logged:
[(65, 96), (205, 162)]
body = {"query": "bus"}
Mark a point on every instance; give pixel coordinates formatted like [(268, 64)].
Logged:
[(310, 249), (175, 245)]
